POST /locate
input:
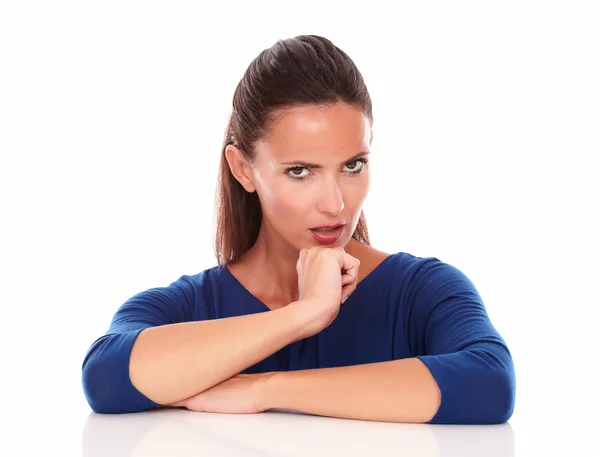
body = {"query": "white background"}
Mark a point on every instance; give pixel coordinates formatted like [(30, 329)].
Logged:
[(487, 121)]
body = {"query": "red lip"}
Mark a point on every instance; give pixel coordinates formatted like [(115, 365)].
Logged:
[(328, 237), (328, 226)]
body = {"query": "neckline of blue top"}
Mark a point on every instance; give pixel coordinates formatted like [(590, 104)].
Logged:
[(234, 281)]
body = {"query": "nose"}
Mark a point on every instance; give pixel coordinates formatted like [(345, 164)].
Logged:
[(331, 200)]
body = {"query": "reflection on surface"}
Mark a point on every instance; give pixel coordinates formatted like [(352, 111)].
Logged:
[(176, 432)]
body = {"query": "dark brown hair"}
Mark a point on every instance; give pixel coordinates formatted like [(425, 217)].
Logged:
[(307, 69)]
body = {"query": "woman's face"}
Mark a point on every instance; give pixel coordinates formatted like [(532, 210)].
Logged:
[(311, 171)]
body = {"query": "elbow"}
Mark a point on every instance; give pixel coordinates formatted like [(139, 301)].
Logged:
[(499, 386), (502, 393), (507, 405), (99, 386), (105, 379), (492, 396), (478, 389), (489, 400), (91, 389), (495, 401)]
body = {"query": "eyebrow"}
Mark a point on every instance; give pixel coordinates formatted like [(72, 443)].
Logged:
[(300, 163)]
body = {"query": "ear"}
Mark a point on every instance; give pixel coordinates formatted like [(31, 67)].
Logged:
[(240, 168)]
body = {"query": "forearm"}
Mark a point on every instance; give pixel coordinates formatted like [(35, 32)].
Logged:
[(396, 391), (172, 362)]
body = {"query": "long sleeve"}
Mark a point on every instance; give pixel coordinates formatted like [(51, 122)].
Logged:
[(105, 370), (449, 330)]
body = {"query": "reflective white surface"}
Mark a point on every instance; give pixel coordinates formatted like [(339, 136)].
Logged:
[(278, 433)]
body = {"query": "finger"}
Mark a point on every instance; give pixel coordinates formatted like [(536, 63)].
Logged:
[(347, 279), (301, 259), (308, 254), (302, 255), (350, 265), (347, 291)]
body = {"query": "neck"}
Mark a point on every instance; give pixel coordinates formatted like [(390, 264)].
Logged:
[(274, 266), (273, 262)]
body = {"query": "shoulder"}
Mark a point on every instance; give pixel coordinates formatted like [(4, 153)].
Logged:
[(414, 274), (186, 288), (425, 286), (417, 266), (189, 297), (402, 264), (202, 283)]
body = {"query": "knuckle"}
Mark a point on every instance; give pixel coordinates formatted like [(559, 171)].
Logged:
[(316, 251)]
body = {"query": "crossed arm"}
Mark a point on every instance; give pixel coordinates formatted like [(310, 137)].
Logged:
[(395, 391)]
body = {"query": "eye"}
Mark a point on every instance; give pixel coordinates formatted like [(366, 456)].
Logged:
[(294, 172), (356, 166)]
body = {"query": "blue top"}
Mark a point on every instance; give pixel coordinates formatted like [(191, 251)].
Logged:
[(407, 306)]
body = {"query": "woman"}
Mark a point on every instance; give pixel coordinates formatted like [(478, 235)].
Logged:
[(301, 312)]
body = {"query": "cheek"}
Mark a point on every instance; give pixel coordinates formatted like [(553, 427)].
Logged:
[(285, 202), (356, 193)]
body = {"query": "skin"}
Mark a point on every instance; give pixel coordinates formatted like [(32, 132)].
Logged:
[(327, 136)]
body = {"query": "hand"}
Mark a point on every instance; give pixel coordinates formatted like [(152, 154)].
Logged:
[(240, 394), (326, 278)]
